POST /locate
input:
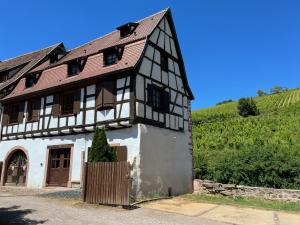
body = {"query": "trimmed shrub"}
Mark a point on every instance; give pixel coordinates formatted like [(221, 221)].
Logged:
[(100, 150)]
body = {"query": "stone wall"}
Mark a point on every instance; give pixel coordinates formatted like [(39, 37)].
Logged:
[(209, 187)]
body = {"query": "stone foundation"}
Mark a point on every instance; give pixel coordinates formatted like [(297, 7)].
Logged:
[(209, 187)]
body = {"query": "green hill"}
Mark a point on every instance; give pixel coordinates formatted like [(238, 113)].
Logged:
[(262, 150)]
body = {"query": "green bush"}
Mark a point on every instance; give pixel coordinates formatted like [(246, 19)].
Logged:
[(100, 150), (273, 166), (247, 107)]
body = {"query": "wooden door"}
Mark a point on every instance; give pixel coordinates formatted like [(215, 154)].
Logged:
[(59, 167), (16, 169)]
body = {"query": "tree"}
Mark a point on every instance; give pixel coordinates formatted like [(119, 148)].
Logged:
[(224, 102), (276, 89), (261, 93), (247, 107), (100, 150)]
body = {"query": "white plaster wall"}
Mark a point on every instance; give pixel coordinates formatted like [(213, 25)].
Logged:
[(165, 161), (37, 149)]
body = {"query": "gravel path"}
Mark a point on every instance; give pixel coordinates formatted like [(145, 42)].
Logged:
[(37, 210)]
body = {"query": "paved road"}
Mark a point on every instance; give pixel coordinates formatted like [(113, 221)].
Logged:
[(19, 210)]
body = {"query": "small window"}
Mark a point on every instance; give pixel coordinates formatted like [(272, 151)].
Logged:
[(14, 112), (3, 76), (110, 58), (31, 80), (73, 68), (33, 110), (53, 58), (158, 98), (67, 103), (127, 29), (164, 61)]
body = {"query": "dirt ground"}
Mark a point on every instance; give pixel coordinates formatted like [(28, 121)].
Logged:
[(225, 213)]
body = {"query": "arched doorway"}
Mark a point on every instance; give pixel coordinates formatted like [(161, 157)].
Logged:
[(16, 169)]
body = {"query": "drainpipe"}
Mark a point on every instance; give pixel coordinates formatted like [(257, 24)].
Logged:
[(1, 116)]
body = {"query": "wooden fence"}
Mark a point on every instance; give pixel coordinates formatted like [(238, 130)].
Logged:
[(107, 183)]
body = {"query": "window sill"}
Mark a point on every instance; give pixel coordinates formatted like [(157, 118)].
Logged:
[(67, 114), (31, 121), (12, 123)]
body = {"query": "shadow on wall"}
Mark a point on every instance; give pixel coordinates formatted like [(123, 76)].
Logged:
[(16, 216)]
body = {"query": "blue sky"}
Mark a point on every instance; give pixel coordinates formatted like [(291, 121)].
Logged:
[(231, 48)]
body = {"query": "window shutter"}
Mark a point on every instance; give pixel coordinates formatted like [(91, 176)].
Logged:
[(121, 153), (109, 95), (5, 118), (36, 110), (99, 98), (150, 94), (55, 107), (106, 97), (76, 107), (21, 112), (166, 101)]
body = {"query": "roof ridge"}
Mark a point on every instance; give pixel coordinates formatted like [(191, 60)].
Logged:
[(28, 53), (164, 10)]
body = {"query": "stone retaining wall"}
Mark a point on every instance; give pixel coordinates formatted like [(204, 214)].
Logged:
[(209, 187)]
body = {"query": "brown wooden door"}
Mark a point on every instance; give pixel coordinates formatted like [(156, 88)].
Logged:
[(16, 169), (59, 167)]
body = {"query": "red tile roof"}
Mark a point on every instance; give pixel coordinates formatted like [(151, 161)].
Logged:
[(56, 74), (30, 59)]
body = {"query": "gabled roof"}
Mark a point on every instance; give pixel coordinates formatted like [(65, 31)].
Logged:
[(54, 75), (30, 59)]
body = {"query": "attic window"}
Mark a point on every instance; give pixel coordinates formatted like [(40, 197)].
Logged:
[(127, 29), (75, 67), (112, 56), (3, 76), (31, 80), (53, 58)]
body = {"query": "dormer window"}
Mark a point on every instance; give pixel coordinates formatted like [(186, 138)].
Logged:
[(112, 56), (53, 58), (3, 76), (31, 80), (75, 67), (127, 29)]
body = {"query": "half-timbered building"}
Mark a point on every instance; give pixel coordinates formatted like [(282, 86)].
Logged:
[(131, 82)]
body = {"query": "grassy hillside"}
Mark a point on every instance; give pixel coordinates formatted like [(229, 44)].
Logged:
[(263, 150)]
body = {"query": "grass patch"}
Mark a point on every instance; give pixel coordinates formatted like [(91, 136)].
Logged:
[(243, 201)]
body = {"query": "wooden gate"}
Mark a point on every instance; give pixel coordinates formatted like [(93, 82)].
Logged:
[(107, 183)]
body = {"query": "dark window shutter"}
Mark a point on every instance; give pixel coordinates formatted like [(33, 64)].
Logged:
[(106, 95), (76, 107), (150, 94), (109, 94), (121, 153), (166, 101), (21, 112), (5, 118), (36, 110), (99, 98), (55, 107)]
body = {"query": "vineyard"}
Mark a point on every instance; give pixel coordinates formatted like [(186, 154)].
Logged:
[(262, 150)]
